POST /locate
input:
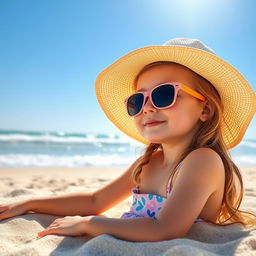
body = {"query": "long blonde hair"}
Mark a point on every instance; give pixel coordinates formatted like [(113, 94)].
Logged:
[(208, 135)]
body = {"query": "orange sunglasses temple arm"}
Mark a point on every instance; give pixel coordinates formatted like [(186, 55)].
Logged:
[(192, 92)]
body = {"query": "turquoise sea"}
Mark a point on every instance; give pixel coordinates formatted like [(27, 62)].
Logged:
[(26, 149)]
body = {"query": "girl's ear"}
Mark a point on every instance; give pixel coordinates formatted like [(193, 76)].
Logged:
[(205, 112)]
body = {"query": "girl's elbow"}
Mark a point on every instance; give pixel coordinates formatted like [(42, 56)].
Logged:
[(162, 234), (159, 232)]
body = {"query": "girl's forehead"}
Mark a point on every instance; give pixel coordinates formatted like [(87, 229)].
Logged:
[(165, 73), (173, 70)]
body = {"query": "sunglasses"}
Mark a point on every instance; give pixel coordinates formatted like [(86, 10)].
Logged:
[(161, 96)]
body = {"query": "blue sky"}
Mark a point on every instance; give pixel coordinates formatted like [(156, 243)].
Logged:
[(51, 52)]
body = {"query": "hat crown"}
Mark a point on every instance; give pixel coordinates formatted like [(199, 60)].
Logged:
[(189, 42)]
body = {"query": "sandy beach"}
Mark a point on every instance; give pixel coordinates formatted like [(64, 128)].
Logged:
[(20, 184)]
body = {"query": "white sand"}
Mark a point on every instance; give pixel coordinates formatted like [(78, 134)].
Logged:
[(18, 234)]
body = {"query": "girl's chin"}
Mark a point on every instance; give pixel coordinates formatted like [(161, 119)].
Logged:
[(154, 139)]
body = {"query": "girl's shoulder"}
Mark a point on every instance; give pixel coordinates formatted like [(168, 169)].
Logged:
[(202, 156), (201, 153), (195, 154), (196, 159)]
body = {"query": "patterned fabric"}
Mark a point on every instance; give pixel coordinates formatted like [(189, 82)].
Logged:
[(148, 205)]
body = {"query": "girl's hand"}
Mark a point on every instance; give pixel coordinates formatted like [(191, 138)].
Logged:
[(13, 209), (69, 225)]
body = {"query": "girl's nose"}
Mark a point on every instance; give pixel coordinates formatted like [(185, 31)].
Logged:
[(148, 107)]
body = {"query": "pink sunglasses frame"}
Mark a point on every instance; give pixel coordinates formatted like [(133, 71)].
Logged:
[(177, 86)]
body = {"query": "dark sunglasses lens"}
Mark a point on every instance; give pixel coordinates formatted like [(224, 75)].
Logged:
[(134, 104), (163, 96)]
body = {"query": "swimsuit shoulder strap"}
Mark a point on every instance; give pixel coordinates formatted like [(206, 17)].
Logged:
[(171, 177), (169, 181)]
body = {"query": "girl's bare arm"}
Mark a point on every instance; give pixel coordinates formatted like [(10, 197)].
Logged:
[(85, 204), (68, 204), (78, 203)]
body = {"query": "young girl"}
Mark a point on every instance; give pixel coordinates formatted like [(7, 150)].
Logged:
[(189, 107)]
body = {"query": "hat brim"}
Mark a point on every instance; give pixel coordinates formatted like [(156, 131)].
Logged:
[(116, 82)]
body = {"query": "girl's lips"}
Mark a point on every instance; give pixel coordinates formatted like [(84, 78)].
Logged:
[(154, 124)]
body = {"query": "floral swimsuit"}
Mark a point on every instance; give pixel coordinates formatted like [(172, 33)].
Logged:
[(148, 205)]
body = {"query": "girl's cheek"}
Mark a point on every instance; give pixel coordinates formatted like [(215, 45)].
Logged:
[(138, 122)]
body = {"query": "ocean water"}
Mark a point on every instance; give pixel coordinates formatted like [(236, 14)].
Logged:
[(28, 149)]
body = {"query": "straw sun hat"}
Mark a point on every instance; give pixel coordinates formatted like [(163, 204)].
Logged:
[(115, 83)]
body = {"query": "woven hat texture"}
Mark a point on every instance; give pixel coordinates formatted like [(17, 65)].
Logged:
[(116, 82)]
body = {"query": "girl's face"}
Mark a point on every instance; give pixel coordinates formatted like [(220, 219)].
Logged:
[(180, 119)]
